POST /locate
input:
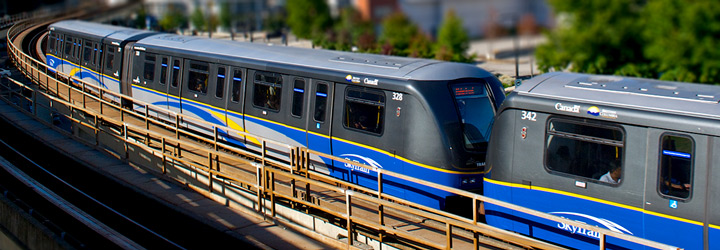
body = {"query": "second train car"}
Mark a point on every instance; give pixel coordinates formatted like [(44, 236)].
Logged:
[(422, 118), (635, 156)]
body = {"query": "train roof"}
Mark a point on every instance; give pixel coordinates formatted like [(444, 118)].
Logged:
[(699, 100), (345, 62), (115, 33)]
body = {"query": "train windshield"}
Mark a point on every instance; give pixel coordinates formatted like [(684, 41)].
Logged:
[(476, 113)]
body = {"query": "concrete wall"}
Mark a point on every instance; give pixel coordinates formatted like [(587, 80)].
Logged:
[(25, 232)]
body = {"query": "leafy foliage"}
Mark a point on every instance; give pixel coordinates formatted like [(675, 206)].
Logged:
[(308, 17), (397, 32), (670, 39), (173, 19), (682, 39), (452, 40), (198, 19)]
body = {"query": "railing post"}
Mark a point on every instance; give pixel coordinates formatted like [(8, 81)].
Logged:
[(164, 161), (83, 95), (97, 131), (348, 210), (602, 241), (259, 172), (125, 136), (448, 237), (272, 193), (210, 171), (381, 208), (215, 137), (177, 126), (147, 125)]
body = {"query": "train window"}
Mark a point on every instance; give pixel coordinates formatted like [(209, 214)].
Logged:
[(585, 149), (96, 55), (163, 70), (364, 110), (298, 97), (68, 47), (676, 164), (220, 88), (198, 76), (321, 95), (472, 99), (87, 52), (149, 69), (236, 84), (78, 48), (110, 58), (51, 43), (267, 90), (175, 73)]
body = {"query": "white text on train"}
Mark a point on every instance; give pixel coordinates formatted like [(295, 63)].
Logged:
[(572, 109), (578, 230)]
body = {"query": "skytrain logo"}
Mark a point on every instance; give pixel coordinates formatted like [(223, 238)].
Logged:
[(352, 79), (595, 111), (361, 159), (598, 221)]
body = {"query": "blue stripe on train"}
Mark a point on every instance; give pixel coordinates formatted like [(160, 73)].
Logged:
[(604, 215), (393, 186)]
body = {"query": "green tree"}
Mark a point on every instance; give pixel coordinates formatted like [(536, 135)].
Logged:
[(198, 19), (397, 31), (421, 46), (212, 19), (226, 19), (140, 16), (350, 29), (308, 18), (599, 36), (173, 19), (682, 39), (452, 40)]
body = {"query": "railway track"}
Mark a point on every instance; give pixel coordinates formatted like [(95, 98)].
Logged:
[(129, 219)]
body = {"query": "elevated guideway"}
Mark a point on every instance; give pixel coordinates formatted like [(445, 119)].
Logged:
[(284, 191)]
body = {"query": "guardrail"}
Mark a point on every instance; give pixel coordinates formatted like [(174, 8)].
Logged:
[(104, 115)]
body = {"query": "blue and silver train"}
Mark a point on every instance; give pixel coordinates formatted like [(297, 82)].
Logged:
[(422, 118), (635, 156)]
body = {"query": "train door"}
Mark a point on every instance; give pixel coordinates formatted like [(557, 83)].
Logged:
[(163, 80), (265, 111), (234, 106), (67, 54), (53, 44), (319, 121), (174, 88), (110, 67), (675, 191), (87, 61), (297, 111), (367, 131), (196, 94)]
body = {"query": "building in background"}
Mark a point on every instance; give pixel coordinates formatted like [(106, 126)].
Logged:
[(376, 10), (479, 16)]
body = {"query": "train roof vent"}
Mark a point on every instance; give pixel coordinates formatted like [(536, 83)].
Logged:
[(176, 38), (127, 32), (385, 63), (651, 88)]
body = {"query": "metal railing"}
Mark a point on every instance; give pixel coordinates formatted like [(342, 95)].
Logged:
[(163, 133)]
